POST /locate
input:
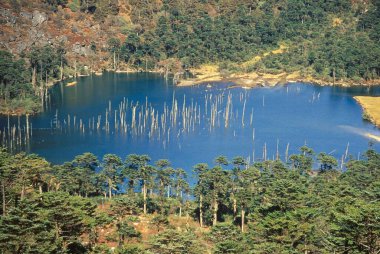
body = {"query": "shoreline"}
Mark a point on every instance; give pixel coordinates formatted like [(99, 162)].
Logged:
[(254, 79), (71, 82), (210, 74)]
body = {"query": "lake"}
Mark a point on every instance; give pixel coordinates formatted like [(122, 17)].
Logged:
[(143, 113)]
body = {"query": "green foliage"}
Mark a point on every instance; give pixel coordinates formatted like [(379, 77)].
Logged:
[(20, 87), (303, 161), (55, 3), (174, 242), (327, 162), (127, 205), (47, 61), (16, 93), (111, 173), (324, 38), (356, 227), (74, 5), (100, 8), (268, 207), (227, 239), (130, 250), (126, 231), (24, 230), (159, 221)]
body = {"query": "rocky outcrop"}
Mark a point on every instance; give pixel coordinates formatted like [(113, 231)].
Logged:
[(82, 50), (38, 18), (26, 15), (7, 17)]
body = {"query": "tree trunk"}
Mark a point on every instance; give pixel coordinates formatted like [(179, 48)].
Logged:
[(162, 189), (22, 192), (3, 197), (40, 188), (110, 188), (114, 60), (200, 211), (180, 203), (333, 76), (56, 231), (168, 191), (215, 213), (234, 207), (75, 68), (34, 78), (61, 69), (118, 60), (144, 196), (42, 97), (242, 219)]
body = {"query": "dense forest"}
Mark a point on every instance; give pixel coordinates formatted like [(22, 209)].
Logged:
[(329, 39), (23, 90), (137, 206), (326, 40)]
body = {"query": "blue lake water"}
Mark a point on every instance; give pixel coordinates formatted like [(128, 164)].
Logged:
[(188, 125)]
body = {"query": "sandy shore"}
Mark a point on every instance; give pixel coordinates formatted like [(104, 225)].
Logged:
[(210, 74), (371, 106), (71, 83), (252, 79)]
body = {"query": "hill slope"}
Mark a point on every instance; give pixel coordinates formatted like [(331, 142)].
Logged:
[(330, 41)]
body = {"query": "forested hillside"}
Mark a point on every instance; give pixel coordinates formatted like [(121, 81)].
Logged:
[(138, 206), (324, 40)]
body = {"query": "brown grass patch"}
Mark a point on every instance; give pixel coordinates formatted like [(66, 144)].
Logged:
[(371, 106)]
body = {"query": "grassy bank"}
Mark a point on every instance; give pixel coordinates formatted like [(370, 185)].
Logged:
[(211, 73), (371, 107)]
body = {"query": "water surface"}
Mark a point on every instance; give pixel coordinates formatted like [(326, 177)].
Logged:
[(325, 118)]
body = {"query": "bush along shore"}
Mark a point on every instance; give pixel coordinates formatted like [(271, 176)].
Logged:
[(24, 85)]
